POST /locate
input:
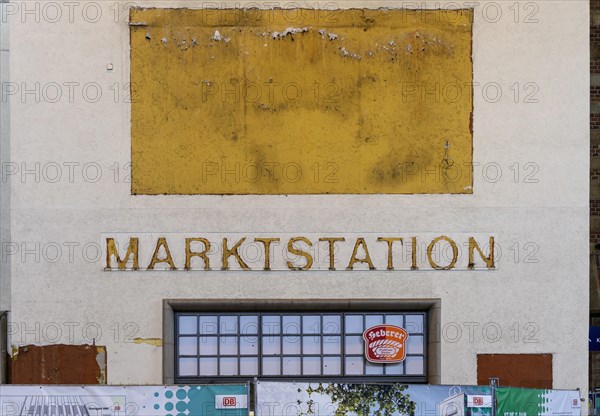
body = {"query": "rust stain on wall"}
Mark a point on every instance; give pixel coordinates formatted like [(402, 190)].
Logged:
[(347, 101), (58, 364)]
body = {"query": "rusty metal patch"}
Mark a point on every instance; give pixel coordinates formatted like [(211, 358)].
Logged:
[(58, 364)]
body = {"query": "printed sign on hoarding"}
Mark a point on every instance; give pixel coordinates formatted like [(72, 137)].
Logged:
[(385, 344), (348, 399), (237, 401), (206, 400), (479, 400), (534, 402), (323, 399)]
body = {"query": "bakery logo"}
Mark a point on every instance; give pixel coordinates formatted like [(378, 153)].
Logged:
[(385, 344)]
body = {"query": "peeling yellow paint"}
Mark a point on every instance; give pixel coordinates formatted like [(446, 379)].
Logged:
[(346, 101), (157, 342), (101, 360)]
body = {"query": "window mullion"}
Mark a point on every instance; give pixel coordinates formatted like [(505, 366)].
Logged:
[(343, 351), (238, 340), (301, 345), (281, 345), (260, 342)]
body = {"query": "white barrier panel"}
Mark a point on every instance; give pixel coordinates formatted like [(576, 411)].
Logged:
[(322, 399), (193, 400)]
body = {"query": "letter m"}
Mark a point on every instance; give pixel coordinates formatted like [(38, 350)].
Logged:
[(111, 250)]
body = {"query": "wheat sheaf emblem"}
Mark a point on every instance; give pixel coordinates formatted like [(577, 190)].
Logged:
[(385, 348)]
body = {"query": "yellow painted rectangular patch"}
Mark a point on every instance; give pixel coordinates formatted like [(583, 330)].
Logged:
[(301, 101)]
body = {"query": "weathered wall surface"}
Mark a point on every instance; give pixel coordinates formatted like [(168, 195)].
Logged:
[(4, 157), (69, 171), (346, 84)]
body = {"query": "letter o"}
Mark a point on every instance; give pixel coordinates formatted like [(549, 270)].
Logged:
[(298, 172), (458, 332), (293, 8), (498, 332), (452, 178), (454, 253), (98, 91), (57, 331), (57, 94), (85, 252), (57, 13), (49, 178), (87, 177), (58, 252), (489, 178), (497, 14), (257, 172), (251, 252), (86, 335), (298, 94), (454, 87), (251, 11), (449, 12), (86, 16), (498, 92), (257, 92)]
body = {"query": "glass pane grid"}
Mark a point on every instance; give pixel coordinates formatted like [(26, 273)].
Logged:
[(291, 344)]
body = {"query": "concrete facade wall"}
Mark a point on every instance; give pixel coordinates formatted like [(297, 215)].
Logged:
[(4, 157), (537, 296)]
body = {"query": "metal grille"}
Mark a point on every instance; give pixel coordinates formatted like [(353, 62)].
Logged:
[(292, 345)]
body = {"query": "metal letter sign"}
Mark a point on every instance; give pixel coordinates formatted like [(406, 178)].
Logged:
[(385, 344)]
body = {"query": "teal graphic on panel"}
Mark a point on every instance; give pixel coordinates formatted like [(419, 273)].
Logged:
[(206, 400)]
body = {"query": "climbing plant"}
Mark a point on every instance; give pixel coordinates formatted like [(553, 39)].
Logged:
[(364, 399)]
